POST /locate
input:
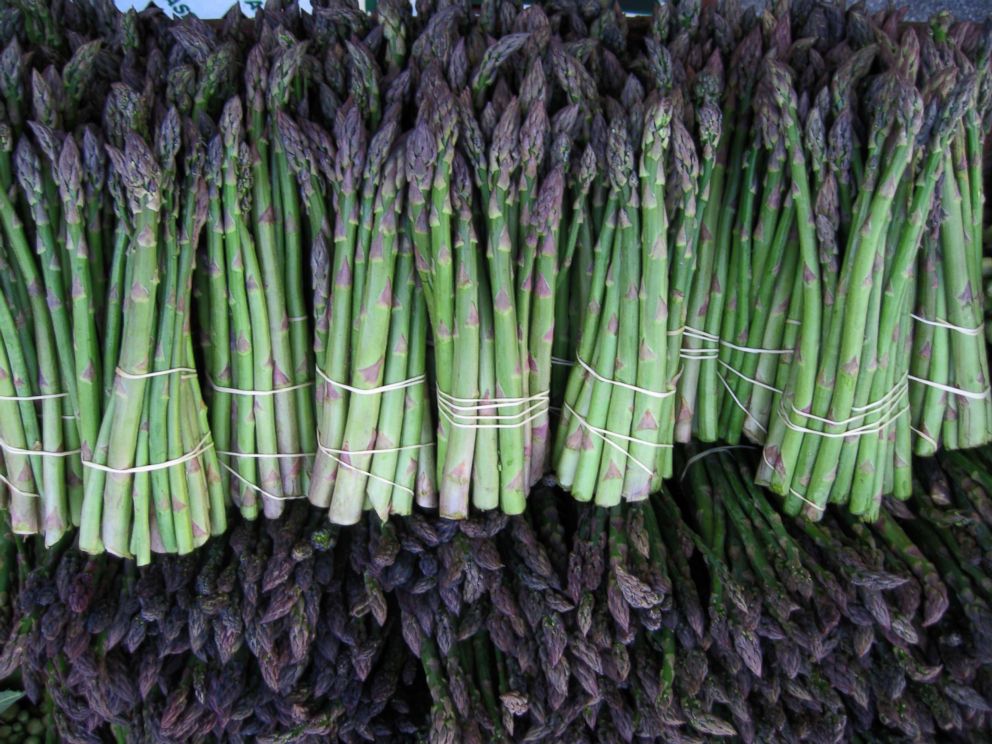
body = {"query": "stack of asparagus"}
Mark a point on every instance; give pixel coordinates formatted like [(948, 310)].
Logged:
[(260, 635), (701, 612), (435, 258)]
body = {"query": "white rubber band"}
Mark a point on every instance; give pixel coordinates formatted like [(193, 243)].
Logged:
[(794, 492), (977, 331), (953, 390), (15, 489), (200, 448), (700, 335), (162, 372), (366, 473), (865, 410), (402, 384), (560, 362), (49, 396), (477, 404), (30, 452), (462, 415), (741, 405), (700, 455), (902, 387), (255, 488), (384, 451), (860, 431), (709, 338), (263, 456), (752, 349), (925, 436), (605, 435), (752, 380), (257, 393), (634, 388), (699, 355)]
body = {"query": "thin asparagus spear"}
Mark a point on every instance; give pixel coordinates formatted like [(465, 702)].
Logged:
[(456, 478), (503, 162), (652, 373)]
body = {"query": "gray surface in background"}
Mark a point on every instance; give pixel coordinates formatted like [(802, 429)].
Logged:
[(920, 10)]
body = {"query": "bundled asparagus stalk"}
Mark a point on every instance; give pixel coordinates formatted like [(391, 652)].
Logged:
[(155, 480), (373, 424), (254, 292), (852, 444)]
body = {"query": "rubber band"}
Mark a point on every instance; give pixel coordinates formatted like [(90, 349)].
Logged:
[(384, 451), (467, 413), (866, 410), (538, 407), (700, 455), (925, 436), (559, 361), (699, 354), (805, 500), (146, 375), (700, 335), (792, 491), (200, 448), (753, 349), (695, 333), (860, 431), (948, 389), (264, 456), (752, 380), (253, 487), (901, 387), (48, 396), (741, 405), (376, 390), (482, 403), (366, 473), (604, 434), (257, 393), (634, 388), (40, 453), (977, 331), (15, 489)]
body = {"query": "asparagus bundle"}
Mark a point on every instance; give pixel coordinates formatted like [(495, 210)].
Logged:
[(101, 380), (617, 425), (154, 479), (256, 383), (844, 433), (373, 423), (261, 379)]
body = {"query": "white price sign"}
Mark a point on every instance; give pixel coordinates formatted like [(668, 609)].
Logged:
[(206, 9)]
